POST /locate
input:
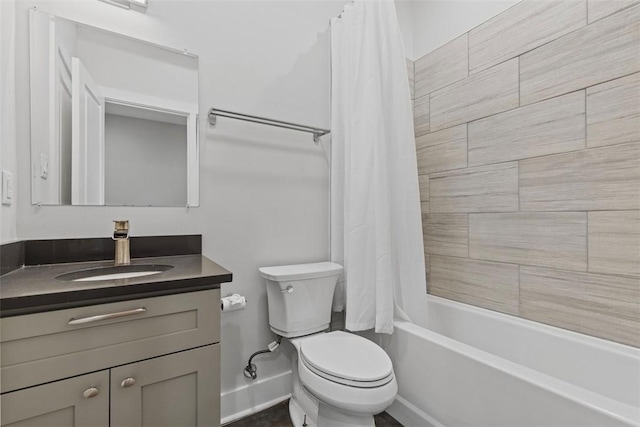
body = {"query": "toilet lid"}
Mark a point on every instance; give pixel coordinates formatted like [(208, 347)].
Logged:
[(340, 355)]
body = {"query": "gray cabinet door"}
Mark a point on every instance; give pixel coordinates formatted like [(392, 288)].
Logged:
[(81, 401), (177, 390)]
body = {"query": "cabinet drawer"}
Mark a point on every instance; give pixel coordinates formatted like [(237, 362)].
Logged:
[(42, 347)]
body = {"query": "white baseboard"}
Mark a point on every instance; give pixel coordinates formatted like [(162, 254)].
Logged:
[(407, 414), (255, 397)]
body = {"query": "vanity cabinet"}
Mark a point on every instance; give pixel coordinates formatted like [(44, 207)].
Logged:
[(146, 362)]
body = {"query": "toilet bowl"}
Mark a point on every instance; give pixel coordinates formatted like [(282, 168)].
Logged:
[(339, 379)]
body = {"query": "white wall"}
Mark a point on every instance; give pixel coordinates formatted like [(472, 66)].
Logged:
[(264, 191), (129, 65), (8, 160), (436, 22), (145, 162), (404, 10)]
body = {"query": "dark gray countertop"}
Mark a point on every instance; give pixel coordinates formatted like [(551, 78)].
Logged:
[(34, 289)]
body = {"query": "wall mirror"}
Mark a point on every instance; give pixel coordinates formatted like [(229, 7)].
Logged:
[(114, 120)]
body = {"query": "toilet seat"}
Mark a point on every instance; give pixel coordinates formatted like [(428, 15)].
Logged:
[(346, 359)]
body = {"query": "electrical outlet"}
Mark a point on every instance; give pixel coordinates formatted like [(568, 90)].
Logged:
[(7, 188)]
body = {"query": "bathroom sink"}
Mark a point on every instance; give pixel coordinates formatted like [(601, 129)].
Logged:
[(114, 272)]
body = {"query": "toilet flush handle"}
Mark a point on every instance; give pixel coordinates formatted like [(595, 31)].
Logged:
[(288, 290)]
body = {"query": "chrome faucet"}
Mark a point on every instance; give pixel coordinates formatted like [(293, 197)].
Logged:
[(121, 237)]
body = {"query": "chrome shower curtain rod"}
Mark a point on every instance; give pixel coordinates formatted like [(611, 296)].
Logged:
[(317, 132)]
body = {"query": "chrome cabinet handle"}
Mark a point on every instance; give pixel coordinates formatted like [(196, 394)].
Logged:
[(127, 382), (288, 290), (91, 392), (98, 317)]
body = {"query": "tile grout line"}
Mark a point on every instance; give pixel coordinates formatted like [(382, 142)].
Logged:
[(518, 182), (429, 115), (585, 119), (468, 235), (587, 239), (590, 273), (519, 290), (503, 212), (603, 147), (468, 56), (550, 154), (565, 270), (611, 14), (487, 260), (429, 198), (587, 11), (519, 81), (466, 142)]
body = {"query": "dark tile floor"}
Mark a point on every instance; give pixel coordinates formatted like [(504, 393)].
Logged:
[(278, 416)]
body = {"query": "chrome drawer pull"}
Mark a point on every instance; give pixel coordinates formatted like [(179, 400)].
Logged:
[(98, 317), (91, 392), (128, 382)]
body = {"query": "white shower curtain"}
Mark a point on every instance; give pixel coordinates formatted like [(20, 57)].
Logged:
[(376, 229)]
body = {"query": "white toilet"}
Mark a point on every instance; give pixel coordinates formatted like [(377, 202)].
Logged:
[(339, 379)]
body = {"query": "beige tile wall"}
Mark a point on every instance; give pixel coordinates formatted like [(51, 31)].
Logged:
[(528, 143)]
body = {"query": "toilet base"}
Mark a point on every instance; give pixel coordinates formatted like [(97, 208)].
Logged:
[(302, 405), (298, 416), (328, 416)]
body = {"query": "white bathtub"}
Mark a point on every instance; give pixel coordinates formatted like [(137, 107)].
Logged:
[(475, 367)]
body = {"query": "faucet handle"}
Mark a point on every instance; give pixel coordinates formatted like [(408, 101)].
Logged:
[(121, 230)]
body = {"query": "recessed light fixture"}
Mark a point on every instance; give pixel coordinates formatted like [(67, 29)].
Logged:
[(126, 4)]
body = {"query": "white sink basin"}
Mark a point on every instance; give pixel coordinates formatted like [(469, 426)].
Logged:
[(114, 272), (114, 276)]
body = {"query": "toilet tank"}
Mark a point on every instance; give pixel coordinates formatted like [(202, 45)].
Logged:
[(300, 297)]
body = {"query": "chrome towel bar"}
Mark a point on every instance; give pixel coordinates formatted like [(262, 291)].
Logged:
[(317, 132)]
